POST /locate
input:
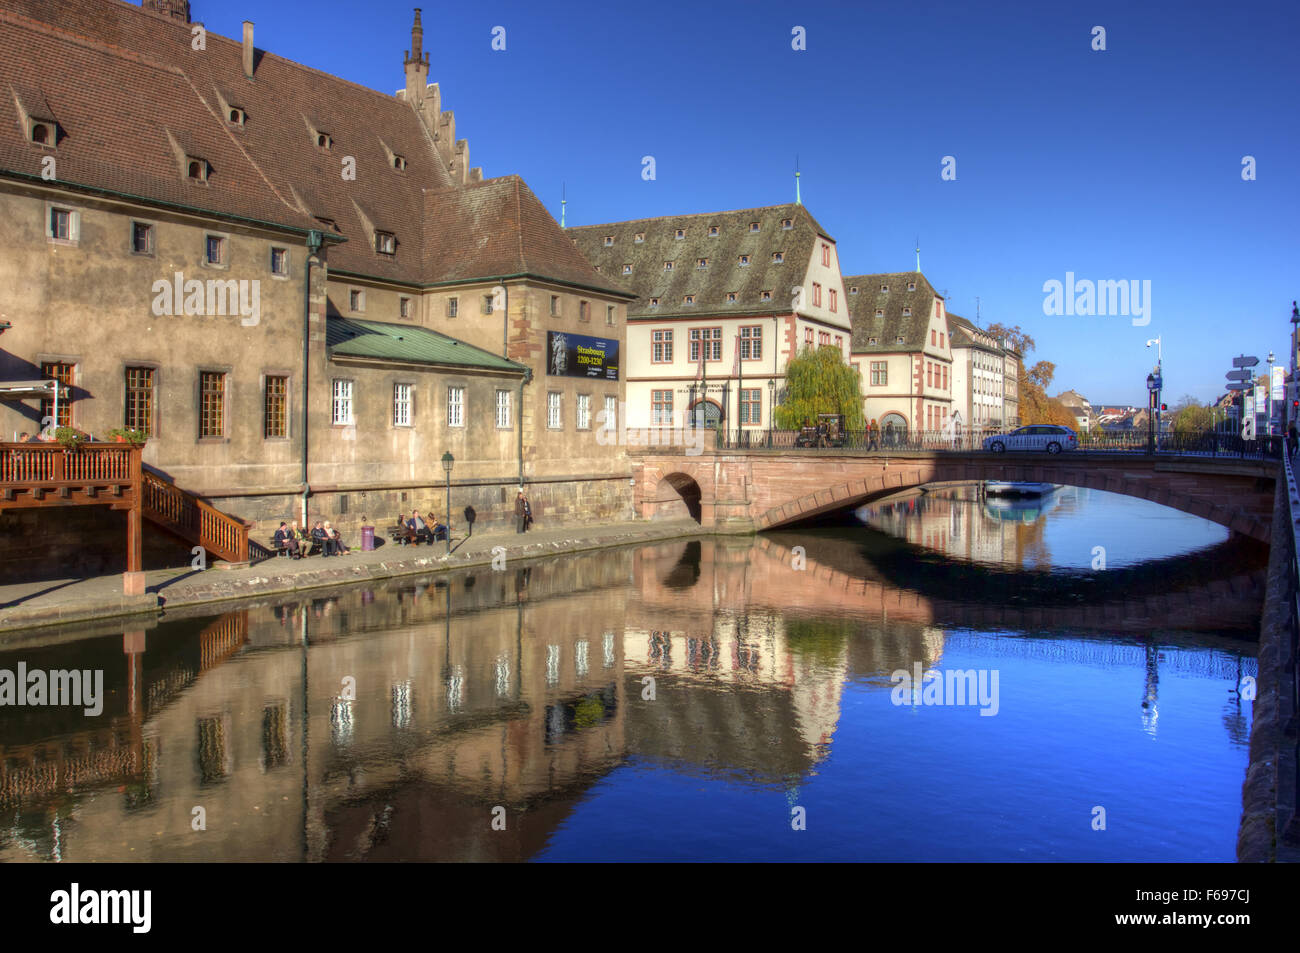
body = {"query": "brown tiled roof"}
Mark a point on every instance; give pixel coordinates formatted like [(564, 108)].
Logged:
[(128, 91), (498, 227), (893, 324), (723, 274)]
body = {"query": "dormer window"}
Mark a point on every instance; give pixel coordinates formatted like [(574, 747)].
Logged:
[(871, 342), (900, 340), (324, 140), (640, 237), (386, 243), (196, 170), (609, 240), (880, 312), (777, 257), (744, 260), (236, 116), (787, 223), (679, 234), (701, 263), (765, 296), (688, 299), (627, 269), (654, 302), (713, 231), (853, 290), (399, 162), (911, 286), (668, 266), (731, 297), (884, 289), (907, 312), (44, 132), (753, 227)]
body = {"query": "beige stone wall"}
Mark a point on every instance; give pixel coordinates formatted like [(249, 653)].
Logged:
[(90, 303)]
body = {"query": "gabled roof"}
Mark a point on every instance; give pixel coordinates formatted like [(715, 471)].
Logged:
[(498, 227), (722, 275), (893, 324), (408, 344), (965, 333), (133, 98)]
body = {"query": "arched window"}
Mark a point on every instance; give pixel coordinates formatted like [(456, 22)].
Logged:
[(41, 134)]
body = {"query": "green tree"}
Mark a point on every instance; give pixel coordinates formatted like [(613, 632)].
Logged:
[(1035, 406), (819, 382), (1191, 418)]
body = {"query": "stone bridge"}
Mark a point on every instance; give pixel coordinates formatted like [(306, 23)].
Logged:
[(767, 489)]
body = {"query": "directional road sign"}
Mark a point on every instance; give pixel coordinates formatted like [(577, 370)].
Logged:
[(1245, 361), (1237, 385), (1241, 374)]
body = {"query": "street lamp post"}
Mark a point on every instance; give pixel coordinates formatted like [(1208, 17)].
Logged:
[(771, 408), (1268, 395), (448, 461), (1160, 375), (1151, 412)]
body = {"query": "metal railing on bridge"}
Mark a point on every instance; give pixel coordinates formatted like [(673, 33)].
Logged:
[(935, 441)]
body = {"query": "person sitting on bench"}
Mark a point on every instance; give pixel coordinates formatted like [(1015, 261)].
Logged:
[(439, 530), (321, 539), (340, 549), (286, 541), (418, 528)]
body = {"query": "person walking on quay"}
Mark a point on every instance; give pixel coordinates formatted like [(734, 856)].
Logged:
[(1292, 438), (521, 512), (873, 434)]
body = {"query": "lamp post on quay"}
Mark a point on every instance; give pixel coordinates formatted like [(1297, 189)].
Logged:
[(448, 461), (771, 408)]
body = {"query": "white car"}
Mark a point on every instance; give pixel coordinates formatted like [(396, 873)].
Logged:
[(1039, 438)]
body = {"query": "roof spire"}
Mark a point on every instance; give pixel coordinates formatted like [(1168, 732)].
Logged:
[(563, 202), (918, 254), (416, 52), (797, 199)]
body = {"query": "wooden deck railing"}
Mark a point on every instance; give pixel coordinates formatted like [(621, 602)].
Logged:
[(190, 517), (50, 464)]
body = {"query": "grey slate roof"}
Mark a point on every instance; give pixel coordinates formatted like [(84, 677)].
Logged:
[(893, 324), (723, 274)]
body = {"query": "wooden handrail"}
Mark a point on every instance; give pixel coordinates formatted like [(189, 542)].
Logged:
[(194, 519), (52, 464)]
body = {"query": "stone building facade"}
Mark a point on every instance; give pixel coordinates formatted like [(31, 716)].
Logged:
[(222, 247)]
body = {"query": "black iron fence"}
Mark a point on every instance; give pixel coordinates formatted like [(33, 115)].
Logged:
[(1288, 827), (1198, 444)]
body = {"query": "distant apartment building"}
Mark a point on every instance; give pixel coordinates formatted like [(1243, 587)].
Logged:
[(723, 301), (1079, 406), (902, 348), (978, 368)]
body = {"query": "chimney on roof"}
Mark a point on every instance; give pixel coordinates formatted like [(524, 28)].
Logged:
[(248, 48), (417, 65)]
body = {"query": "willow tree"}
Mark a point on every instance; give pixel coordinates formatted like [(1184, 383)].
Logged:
[(819, 382)]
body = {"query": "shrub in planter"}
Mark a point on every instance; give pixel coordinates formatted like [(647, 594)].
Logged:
[(127, 435), (70, 437)]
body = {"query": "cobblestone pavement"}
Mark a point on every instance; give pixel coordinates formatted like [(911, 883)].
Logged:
[(61, 601)]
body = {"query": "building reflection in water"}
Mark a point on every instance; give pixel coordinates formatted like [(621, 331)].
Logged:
[(386, 723)]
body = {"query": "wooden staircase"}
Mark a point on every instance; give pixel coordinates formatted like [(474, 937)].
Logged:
[(184, 514)]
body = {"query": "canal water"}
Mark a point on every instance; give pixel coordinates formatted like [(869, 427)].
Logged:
[(709, 699)]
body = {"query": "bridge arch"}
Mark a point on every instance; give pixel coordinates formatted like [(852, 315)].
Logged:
[(676, 495)]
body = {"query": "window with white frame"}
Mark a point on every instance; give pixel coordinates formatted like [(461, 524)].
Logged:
[(554, 420), (751, 343), (584, 412), (661, 407), (342, 402), (402, 405), (455, 406), (611, 412), (661, 344), (503, 410)]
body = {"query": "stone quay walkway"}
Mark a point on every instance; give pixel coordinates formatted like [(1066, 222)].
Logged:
[(71, 600)]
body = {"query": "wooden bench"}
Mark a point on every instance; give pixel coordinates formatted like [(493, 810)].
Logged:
[(283, 550)]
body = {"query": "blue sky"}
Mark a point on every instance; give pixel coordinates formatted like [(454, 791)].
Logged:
[(1122, 164)]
